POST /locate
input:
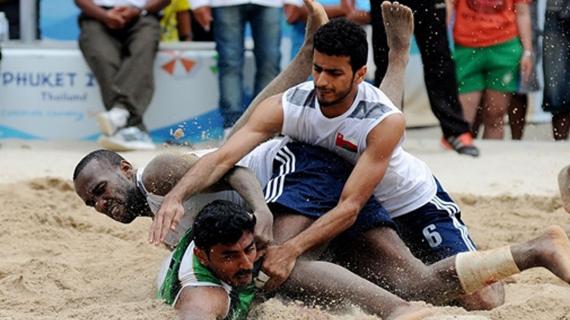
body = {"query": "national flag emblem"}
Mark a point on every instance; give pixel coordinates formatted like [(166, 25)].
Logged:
[(347, 144)]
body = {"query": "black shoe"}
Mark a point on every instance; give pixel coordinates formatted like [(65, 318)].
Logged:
[(462, 144)]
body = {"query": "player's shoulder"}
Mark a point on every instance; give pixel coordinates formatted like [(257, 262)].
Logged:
[(163, 171), (373, 104), (301, 95)]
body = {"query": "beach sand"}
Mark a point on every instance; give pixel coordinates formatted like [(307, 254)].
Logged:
[(62, 260)]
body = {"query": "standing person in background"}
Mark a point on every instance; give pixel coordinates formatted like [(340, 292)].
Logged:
[(228, 19), (119, 40), (556, 66), (11, 9), (430, 31), (520, 100), (493, 45), (296, 15), (199, 34), (175, 22)]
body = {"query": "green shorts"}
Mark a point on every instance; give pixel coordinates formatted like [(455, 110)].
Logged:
[(495, 67)]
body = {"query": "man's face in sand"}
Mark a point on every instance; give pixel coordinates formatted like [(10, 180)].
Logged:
[(334, 79), (232, 263), (110, 190)]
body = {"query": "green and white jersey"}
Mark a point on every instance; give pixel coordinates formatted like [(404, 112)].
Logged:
[(194, 274), (185, 270)]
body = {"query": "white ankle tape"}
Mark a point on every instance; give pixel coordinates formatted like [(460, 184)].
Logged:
[(478, 269)]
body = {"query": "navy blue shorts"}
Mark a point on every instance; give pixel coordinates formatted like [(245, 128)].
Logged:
[(308, 180), (435, 231)]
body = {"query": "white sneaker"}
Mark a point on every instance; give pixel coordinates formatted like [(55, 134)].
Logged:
[(111, 121), (127, 139)]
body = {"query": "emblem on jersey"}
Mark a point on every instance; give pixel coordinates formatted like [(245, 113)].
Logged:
[(347, 144)]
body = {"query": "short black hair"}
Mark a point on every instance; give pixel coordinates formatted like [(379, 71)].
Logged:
[(221, 222), (341, 37), (110, 157)]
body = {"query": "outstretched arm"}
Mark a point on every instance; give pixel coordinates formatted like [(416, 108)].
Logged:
[(165, 170), (366, 175), (265, 122)]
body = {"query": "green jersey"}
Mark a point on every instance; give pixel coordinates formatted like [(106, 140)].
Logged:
[(185, 270)]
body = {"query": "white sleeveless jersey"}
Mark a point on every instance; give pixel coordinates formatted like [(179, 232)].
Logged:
[(408, 182)]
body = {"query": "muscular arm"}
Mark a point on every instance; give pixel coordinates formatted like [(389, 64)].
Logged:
[(246, 184), (265, 122), (366, 175), (165, 170), (202, 303)]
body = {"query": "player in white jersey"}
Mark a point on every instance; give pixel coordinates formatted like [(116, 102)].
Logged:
[(290, 172), (336, 117)]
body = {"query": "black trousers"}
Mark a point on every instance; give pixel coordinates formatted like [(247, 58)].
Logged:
[(430, 31)]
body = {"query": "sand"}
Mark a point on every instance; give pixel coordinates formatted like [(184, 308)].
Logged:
[(62, 260)]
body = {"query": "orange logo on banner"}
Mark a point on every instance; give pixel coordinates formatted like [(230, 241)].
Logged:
[(170, 66), (188, 64)]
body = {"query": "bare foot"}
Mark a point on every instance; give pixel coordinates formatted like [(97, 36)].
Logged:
[(399, 25), (316, 18), (553, 250), (411, 312), (564, 184)]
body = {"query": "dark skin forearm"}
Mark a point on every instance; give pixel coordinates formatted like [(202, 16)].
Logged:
[(184, 26), (327, 227), (246, 184)]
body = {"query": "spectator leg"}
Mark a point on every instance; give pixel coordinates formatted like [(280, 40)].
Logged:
[(439, 68), (228, 28), (134, 82), (266, 32), (102, 52)]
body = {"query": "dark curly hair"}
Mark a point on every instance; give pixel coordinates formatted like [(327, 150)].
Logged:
[(341, 37), (221, 222)]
